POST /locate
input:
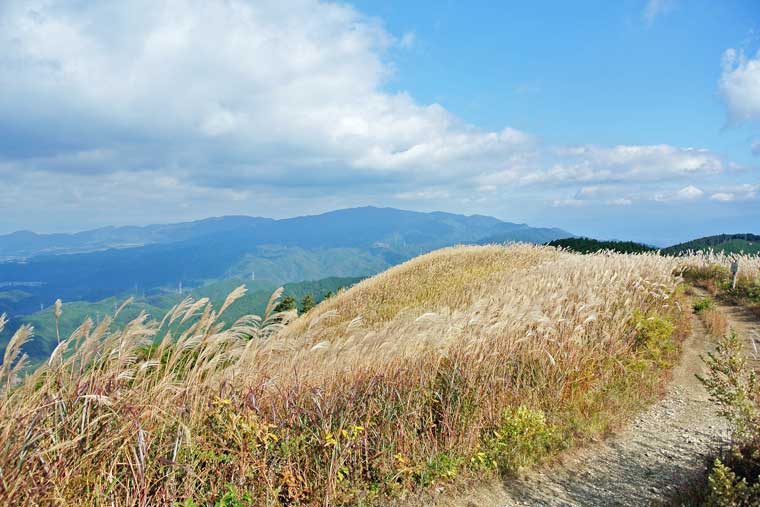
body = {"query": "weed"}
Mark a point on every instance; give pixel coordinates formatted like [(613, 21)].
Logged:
[(522, 437), (703, 304)]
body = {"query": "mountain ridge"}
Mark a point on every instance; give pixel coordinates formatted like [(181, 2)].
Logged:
[(23, 244), (345, 243)]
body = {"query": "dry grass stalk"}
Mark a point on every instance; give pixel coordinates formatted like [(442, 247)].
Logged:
[(359, 399)]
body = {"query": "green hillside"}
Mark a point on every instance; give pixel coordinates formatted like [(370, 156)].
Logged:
[(727, 243), (588, 245)]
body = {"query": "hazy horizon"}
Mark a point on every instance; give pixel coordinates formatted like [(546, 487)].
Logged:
[(661, 242)]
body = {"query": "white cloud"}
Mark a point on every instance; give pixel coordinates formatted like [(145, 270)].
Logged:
[(570, 203), (722, 197), (687, 193), (589, 164), (219, 102), (740, 85), (428, 194), (620, 202), (743, 192), (241, 78), (596, 194)]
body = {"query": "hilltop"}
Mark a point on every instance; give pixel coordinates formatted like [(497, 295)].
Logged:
[(464, 363)]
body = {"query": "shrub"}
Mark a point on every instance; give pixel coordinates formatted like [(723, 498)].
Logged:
[(725, 489), (747, 290), (733, 385), (735, 479), (522, 437), (654, 338), (703, 304)]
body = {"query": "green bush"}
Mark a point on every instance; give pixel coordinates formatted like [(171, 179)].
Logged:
[(703, 304), (523, 437), (233, 498), (734, 480), (747, 289), (654, 337), (441, 467), (725, 489), (733, 386)]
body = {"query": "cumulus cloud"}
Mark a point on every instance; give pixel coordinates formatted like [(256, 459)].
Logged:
[(241, 80), (687, 193), (740, 85), (743, 192), (622, 164), (723, 197), (119, 104), (596, 194)]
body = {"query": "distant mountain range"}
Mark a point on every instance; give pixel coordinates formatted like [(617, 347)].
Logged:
[(94, 265), (24, 244), (367, 226)]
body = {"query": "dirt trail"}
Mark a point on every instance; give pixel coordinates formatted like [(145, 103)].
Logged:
[(662, 451)]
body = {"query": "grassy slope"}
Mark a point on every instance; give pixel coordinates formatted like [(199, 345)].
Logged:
[(158, 304), (530, 350), (448, 278)]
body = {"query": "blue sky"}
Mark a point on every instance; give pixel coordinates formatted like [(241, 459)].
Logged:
[(632, 119)]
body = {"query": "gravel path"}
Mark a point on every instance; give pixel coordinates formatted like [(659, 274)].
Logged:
[(663, 451)]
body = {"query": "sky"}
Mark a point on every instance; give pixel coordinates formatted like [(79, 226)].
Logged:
[(636, 119)]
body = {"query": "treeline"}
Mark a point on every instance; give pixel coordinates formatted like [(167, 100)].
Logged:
[(588, 245), (728, 243), (303, 296)]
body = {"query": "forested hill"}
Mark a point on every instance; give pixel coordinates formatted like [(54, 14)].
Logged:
[(728, 243), (588, 245)]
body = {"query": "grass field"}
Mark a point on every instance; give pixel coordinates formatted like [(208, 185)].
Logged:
[(465, 363), (157, 303)]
